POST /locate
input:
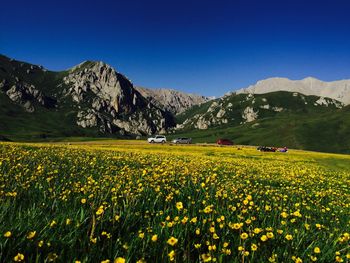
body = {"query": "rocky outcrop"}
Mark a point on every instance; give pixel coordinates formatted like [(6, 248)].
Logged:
[(249, 114), (170, 100), (112, 101), (27, 96)]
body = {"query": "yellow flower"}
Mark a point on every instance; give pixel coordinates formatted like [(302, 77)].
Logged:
[(237, 225), (172, 241), (119, 260), (197, 245), (225, 244), (99, 210), (208, 209), (154, 238), (53, 223), (273, 258), (257, 230), (83, 200), (19, 257), (244, 236), (68, 221), (116, 217), (31, 234), (254, 247), (269, 235), (213, 247), (212, 229), (41, 243), (263, 238), (141, 235), (289, 237), (206, 257), (338, 259), (105, 261), (194, 220), (179, 206), (198, 231), (284, 215), (8, 234), (317, 250), (171, 255), (226, 251)]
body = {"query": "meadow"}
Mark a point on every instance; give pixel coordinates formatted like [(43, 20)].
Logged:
[(127, 201)]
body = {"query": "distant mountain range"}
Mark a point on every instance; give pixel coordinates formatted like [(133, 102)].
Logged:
[(172, 100), (339, 90), (92, 99)]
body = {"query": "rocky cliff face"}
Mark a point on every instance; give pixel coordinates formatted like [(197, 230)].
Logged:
[(111, 102), (338, 90), (26, 95), (92, 94), (173, 101)]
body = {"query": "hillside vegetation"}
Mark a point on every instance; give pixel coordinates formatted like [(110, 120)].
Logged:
[(290, 119)]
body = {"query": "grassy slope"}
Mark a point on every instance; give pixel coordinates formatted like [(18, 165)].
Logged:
[(302, 126), (327, 132)]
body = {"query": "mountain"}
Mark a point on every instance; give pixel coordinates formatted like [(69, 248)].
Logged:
[(88, 99), (277, 119), (339, 90), (237, 109), (92, 100), (172, 100)]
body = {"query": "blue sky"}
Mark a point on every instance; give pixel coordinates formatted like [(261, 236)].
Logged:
[(205, 47)]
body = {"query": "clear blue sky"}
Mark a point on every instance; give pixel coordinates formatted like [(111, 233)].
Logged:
[(206, 47)]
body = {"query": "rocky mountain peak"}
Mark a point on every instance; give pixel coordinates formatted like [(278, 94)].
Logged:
[(171, 100), (104, 82), (112, 100)]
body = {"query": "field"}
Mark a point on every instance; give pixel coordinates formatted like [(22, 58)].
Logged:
[(126, 201)]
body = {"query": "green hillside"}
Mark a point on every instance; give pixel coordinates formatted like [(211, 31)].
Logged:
[(326, 131)]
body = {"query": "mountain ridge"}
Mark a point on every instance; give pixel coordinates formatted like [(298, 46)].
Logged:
[(338, 89), (172, 100)]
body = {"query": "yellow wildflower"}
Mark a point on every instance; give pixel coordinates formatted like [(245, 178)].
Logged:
[(19, 257), (172, 241), (154, 238), (31, 234), (8, 234), (179, 206), (119, 260)]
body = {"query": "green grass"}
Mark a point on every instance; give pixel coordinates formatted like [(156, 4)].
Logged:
[(326, 132), (133, 192)]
